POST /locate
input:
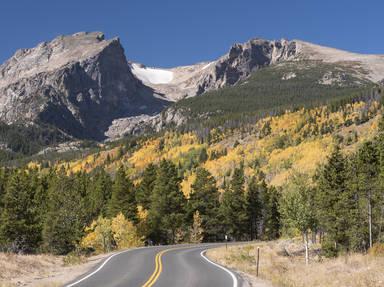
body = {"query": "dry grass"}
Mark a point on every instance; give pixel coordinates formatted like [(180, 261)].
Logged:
[(20, 269), (41, 270), (282, 263)]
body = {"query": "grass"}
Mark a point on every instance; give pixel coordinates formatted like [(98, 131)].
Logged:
[(282, 264), (14, 266), (33, 270)]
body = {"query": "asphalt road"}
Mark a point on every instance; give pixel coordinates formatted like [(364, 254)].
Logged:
[(159, 266)]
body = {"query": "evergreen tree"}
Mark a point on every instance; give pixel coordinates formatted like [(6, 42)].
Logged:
[(20, 230), (271, 214), (357, 230), (234, 208), (123, 197), (63, 223), (203, 156), (98, 195), (3, 183), (145, 188), (204, 198), (368, 163), (167, 210), (333, 203), (256, 191)]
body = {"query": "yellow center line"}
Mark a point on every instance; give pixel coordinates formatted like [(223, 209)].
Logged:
[(159, 266)]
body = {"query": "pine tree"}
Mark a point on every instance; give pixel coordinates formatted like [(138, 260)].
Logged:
[(98, 195), (63, 223), (145, 188), (357, 230), (271, 214), (255, 193), (203, 156), (4, 174), (123, 197), (368, 163), (167, 210), (20, 230), (204, 198), (233, 207), (333, 203)]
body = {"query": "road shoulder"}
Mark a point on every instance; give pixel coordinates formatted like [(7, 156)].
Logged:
[(42, 270)]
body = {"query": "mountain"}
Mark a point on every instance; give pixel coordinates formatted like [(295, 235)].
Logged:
[(246, 58), (77, 83), (83, 86), (253, 79)]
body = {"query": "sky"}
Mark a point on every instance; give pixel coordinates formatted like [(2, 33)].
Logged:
[(167, 33)]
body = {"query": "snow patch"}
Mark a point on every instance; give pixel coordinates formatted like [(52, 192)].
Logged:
[(152, 75)]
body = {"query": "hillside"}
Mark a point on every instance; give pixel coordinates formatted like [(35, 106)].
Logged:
[(273, 90), (294, 140)]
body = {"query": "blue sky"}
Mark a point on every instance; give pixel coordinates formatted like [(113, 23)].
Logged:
[(168, 33)]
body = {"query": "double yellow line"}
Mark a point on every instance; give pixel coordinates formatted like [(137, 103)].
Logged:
[(158, 268)]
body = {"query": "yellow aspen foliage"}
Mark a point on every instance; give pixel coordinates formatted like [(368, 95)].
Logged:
[(105, 234), (186, 184), (196, 232), (98, 236), (124, 232), (142, 213)]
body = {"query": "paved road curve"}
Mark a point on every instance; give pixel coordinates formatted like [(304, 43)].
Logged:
[(160, 266)]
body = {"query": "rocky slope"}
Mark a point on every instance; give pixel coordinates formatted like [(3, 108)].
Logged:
[(78, 83), (244, 59), (236, 65)]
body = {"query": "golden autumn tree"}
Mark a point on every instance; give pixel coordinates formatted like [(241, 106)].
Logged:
[(124, 232), (99, 235)]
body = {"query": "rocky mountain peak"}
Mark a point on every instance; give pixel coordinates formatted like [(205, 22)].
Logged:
[(79, 83), (49, 56), (241, 60)]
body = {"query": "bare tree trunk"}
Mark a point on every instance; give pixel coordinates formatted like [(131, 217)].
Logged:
[(305, 235)]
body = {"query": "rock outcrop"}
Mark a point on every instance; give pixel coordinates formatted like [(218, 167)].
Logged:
[(236, 65), (78, 83), (244, 59)]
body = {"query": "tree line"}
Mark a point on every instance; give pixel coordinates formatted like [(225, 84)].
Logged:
[(54, 212), (342, 206)]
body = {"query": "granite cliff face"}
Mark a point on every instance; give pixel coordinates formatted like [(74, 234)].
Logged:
[(245, 59), (236, 65), (78, 83)]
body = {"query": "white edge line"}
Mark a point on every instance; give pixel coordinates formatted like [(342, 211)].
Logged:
[(100, 267), (234, 278)]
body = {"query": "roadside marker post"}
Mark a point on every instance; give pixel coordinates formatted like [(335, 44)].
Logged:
[(257, 261)]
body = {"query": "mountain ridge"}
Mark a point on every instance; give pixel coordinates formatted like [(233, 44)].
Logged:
[(85, 86)]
